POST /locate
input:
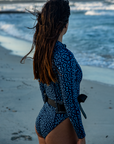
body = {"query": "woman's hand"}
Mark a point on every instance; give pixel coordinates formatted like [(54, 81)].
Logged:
[(81, 141)]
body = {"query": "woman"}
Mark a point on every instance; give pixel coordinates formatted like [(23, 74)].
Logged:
[(59, 76)]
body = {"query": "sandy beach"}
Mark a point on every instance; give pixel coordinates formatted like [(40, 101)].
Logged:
[(20, 103)]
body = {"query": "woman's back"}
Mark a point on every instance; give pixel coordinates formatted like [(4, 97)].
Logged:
[(61, 57)]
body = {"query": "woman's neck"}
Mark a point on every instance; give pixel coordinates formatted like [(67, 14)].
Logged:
[(60, 38)]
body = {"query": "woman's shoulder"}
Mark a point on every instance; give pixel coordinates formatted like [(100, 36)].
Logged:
[(61, 53)]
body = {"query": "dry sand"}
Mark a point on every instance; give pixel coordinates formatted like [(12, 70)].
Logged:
[(20, 102)]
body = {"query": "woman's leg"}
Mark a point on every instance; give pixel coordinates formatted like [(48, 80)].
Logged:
[(40, 138), (64, 133)]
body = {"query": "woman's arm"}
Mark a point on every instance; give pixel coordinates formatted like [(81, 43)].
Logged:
[(81, 141), (70, 86), (42, 90)]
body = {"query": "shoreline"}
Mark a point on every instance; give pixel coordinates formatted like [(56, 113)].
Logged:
[(91, 73)]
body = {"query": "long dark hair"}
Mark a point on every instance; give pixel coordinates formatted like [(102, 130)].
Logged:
[(50, 23)]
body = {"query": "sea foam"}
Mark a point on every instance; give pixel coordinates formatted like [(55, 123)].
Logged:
[(74, 6), (90, 33)]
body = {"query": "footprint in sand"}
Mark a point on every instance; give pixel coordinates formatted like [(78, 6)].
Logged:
[(26, 137)]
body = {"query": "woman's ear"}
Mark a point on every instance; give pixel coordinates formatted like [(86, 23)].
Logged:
[(66, 26)]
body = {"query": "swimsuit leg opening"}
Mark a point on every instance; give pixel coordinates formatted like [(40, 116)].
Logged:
[(40, 138)]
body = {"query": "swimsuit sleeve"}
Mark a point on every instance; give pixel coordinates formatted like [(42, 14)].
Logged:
[(42, 90), (69, 79)]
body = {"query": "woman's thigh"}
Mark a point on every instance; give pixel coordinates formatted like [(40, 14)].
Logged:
[(63, 133), (40, 138)]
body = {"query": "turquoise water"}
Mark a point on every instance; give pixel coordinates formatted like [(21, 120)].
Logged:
[(90, 35)]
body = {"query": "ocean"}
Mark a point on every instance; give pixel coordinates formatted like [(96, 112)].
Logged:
[(90, 34)]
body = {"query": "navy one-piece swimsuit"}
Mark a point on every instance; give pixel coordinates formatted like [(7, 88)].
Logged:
[(66, 90)]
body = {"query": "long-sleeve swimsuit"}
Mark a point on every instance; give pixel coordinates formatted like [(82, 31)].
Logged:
[(66, 89)]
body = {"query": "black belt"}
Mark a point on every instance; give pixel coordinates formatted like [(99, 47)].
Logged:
[(59, 105)]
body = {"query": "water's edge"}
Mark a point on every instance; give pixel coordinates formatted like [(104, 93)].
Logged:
[(98, 74)]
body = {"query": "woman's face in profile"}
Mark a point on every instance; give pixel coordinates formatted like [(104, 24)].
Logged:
[(66, 27)]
